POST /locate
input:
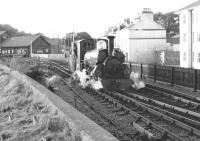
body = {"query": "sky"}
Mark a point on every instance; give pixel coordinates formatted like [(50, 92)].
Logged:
[(55, 18)]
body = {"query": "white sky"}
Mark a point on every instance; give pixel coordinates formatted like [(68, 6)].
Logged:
[(53, 17)]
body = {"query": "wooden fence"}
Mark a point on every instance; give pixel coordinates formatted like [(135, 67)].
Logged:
[(175, 75)]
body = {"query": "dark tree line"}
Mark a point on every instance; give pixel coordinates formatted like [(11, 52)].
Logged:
[(11, 30), (169, 21), (77, 36)]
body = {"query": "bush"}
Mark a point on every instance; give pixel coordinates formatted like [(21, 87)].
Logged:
[(19, 64)]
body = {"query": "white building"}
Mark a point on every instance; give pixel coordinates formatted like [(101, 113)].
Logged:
[(189, 17), (140, 41)]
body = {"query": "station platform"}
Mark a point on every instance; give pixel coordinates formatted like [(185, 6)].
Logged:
[(176, 88)]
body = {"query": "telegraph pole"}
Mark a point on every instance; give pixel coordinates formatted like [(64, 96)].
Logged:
[(73, 54), (58, 43)]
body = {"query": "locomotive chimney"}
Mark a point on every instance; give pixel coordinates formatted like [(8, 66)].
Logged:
[(111, 44)]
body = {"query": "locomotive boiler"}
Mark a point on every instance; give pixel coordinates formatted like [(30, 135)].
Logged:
[(106, 64)]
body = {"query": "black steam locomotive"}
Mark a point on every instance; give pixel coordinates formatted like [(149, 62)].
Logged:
[(105, 64)]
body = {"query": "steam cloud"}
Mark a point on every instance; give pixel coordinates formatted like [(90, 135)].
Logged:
[(85, 80), (50, 81), (138, 84)]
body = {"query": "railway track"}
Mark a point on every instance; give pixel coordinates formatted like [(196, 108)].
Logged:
[(127, 100), (176, 95), (132, 117), (60, 67), (181, 113), (176, 101), (110, 125)]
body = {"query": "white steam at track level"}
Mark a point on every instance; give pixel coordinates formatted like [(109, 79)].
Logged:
[(138, 84), (51, 80), (85, 80)]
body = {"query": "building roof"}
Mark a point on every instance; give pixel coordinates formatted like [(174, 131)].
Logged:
[(19, 41), (194, 4), (151, 25), (2, 32), (52, 41)]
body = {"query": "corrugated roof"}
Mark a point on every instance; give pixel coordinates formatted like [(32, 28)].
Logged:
[(197, 3), (19, 41)]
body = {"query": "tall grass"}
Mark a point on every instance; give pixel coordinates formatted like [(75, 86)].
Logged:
[(19, 64), (27, 115)]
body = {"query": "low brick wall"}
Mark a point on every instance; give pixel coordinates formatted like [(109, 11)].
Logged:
[(79, 127), (40, 55), (56, 56)]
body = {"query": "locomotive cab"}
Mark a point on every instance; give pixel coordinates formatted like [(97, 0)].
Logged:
[(80, 48)]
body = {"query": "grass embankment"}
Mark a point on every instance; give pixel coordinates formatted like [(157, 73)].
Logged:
[(26, 115)]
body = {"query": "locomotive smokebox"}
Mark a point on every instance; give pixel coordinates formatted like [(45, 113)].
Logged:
[(111, 44)]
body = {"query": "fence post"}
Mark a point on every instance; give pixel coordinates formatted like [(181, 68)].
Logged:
[(141, 71), (194, 80), (154, 72), (172, 77), (130, 67)]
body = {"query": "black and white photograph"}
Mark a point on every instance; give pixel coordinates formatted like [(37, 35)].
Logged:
[(100, 70)]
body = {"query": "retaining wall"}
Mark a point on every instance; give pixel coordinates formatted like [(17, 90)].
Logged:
[(79, 124)]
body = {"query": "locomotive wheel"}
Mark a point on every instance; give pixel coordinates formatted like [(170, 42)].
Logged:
[(117, 84)]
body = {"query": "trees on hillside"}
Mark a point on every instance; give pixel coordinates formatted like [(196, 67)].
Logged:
[(11, 30), (78, 36), (169, 21)]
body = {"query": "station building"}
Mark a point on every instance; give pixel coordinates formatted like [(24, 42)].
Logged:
[(189, 20), (25, 45), (140, 41)]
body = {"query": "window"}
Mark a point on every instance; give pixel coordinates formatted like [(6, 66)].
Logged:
[(184, 37), (193, 37), (198, 57), (198, 36), (87, 45), (184, 56), (192, 56), (192, 17), (39, 52), (46, 50), (184, 19)]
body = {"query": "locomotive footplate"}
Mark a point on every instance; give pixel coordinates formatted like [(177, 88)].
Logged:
[(113, 84)]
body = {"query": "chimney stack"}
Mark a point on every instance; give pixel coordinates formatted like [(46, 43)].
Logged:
[(147, 15)]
